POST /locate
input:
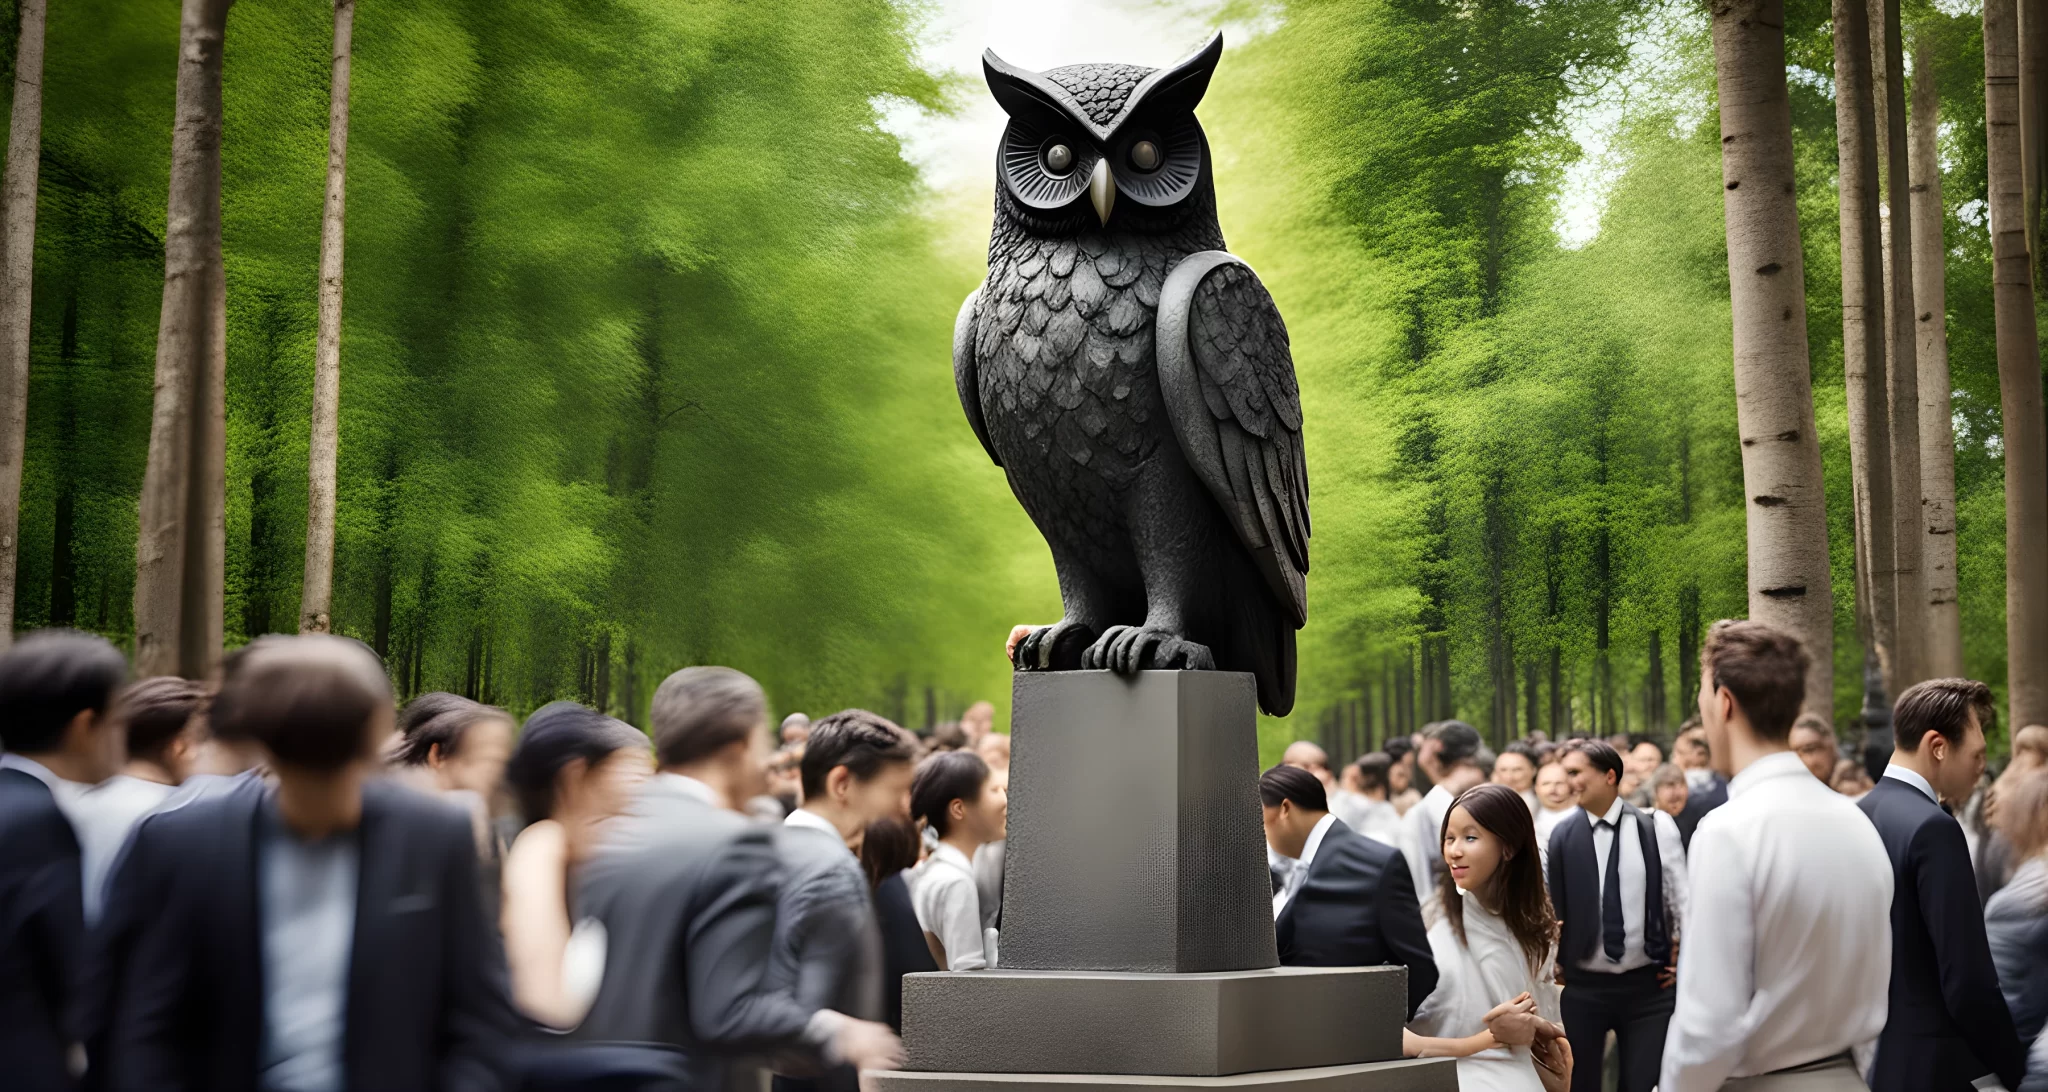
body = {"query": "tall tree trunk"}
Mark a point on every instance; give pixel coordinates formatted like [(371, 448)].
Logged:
[(1863, 326), (179, 550), (1902, 369), (1787, 509), (1944, 650), (316, 599), (2033, 119), (2019, 376), (17, 266)]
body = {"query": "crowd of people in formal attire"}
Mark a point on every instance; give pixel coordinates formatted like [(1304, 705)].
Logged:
[(282, 881), (1749, 910)]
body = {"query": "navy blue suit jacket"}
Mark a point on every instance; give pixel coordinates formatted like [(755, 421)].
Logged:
[(427, 1003), (1948, 1023), (1697, 805), (42, 936), (1357, 908)]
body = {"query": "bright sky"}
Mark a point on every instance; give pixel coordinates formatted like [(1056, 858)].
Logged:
[(957, 153), (1037, 34)]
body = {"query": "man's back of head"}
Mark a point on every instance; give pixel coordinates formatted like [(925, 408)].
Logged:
[(315, 702), (1752, 683), (699, 712)]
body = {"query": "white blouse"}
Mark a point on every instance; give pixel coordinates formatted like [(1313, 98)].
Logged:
[(948, 906), (1473, 977)]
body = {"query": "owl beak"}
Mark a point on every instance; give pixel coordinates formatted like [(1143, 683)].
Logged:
[(1102, 190)]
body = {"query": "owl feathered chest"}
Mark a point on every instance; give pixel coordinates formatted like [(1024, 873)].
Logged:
[(1063, 342)]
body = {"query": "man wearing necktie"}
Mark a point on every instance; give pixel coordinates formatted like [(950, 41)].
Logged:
[(1617, 880)]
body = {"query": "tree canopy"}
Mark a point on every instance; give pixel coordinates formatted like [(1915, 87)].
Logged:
[(645, 349)]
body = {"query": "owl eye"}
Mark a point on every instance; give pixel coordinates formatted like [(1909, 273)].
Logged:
[(1059, 158), (1145, 155)]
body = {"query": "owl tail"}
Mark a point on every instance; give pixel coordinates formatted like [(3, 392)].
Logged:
[(1261, 640)]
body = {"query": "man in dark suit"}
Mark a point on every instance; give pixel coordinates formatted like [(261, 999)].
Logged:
[(1948, 1023), (1348, 902), (55, 692), (1617, 880), (686, 888), (856, 769), (325, 933), (1705, 789)]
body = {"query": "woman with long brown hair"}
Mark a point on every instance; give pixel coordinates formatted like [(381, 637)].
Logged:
[(1495, 1008)]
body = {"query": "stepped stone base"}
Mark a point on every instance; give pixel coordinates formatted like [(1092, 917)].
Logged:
[(1196, 1025), (1405, 1075)]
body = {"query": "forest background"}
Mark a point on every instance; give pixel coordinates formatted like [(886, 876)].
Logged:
[(645, 357)]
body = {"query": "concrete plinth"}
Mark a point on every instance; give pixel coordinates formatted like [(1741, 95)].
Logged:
[(1137, 931), (1134, 839), (1196, 1025), (1406, 1075)]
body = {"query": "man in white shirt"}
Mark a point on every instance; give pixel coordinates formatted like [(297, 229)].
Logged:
[(155, 716), (1617, 880), (1367, 809), (1449, 755), (1787, 954)]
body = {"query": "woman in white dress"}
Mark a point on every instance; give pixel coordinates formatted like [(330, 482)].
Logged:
[(573, 770), (955, 797), (1495, 1008)]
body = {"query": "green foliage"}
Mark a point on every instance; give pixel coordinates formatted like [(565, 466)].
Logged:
[(645, 356), (644, 359)]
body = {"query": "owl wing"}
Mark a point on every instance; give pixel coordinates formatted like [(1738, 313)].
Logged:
[(967, 375), (1228, 381)]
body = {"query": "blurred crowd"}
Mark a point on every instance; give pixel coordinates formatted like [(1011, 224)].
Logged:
[(282, 880)]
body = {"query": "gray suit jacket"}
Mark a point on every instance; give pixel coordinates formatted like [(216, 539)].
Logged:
[(686, 891)]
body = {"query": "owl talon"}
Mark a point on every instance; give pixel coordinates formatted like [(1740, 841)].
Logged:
[(1128, 650), (1056, 647)]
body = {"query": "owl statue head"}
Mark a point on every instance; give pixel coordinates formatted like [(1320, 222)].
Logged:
[(1096, 146)]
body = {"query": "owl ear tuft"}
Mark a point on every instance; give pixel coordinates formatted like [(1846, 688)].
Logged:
[(1182, 86), (1019, 91)]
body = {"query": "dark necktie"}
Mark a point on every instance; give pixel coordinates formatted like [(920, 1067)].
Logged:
[(1611, 928)]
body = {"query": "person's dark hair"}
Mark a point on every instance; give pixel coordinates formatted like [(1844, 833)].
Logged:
[(1639, 739), (1600, 753), (1524, 902), (1398, 747), (889, 846), (426, 707), (308, 699), (1764, 667), (948, 736), (556, 735), (856, 739), (1521, 747), (1457, 741), (1941, 705), (445, 730), (1294, 784), (941, 779), (700, 711), (153, 711), (48, 678), (1372, 770)]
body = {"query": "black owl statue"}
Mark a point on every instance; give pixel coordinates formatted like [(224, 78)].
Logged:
[(1133, 380)]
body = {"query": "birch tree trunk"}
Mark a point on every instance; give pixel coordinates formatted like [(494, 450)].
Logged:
[(179, 550), (1781, 471), (316, 599), (17, 266), (1944, 649), (1902, 368), (2033, 118), (2019, 375), (1863, 325)]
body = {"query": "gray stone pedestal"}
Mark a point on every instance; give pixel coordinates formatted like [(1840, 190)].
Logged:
[(1137, 933)]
